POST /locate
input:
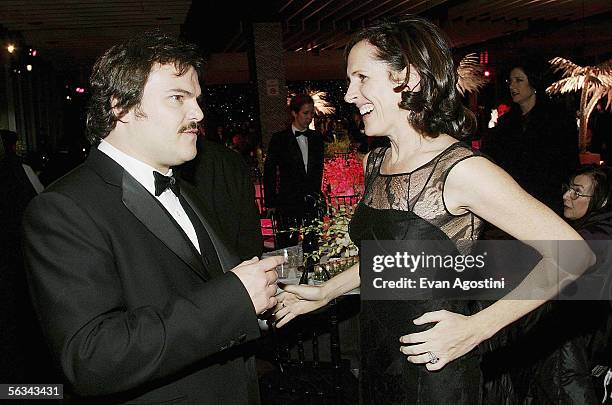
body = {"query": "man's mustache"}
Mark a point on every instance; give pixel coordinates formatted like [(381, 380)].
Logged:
[(191, 125)]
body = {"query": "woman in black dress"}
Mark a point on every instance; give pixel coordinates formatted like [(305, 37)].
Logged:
[(535, 142), (426, 186)]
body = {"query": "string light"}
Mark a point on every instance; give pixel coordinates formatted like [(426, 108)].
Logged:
[(29, 68), (10, 48)]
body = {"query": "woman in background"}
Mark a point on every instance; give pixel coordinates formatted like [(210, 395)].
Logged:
[(535, 142), (563, 376)]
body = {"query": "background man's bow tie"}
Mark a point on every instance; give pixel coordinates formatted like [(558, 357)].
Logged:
[(166, 182), (298, 133)]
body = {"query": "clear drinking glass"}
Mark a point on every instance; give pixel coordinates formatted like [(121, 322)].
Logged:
[(294, 257)]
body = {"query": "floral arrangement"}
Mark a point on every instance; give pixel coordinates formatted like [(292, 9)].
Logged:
[(343, 175), (340, 145), (332, 230), (335, 251)]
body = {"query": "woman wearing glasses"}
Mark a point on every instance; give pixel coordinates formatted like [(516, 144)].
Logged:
[(569, 353), (587, 202)]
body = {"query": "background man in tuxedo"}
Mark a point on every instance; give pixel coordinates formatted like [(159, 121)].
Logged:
[(293, 169), (139, 298), (221, 176)]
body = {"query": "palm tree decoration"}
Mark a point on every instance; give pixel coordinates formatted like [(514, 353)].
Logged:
[(470, 74), (321, 105), (595, 82)]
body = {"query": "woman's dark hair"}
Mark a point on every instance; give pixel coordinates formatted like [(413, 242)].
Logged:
[(414, 41), (119, 77), (601, 176), (536, 71)]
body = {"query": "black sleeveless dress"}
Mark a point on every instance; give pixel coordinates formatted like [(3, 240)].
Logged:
[(410, 206)]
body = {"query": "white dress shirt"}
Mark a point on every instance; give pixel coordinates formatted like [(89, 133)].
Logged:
[(302, 141), (143, 173)]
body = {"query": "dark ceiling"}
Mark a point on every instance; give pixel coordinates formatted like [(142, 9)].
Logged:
[(72, 33), (325, 24)]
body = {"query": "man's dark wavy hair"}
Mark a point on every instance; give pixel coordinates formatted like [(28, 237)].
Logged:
[(119, 77), (414, 41)]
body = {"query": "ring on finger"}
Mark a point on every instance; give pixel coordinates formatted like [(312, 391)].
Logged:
[(433, 359)]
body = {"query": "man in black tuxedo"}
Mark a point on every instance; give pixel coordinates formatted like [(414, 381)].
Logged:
[(139, 298), (293, 170)]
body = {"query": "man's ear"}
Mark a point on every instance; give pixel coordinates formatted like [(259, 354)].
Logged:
[(119, 113)]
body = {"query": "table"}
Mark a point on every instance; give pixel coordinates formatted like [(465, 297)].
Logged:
[(328, 381)]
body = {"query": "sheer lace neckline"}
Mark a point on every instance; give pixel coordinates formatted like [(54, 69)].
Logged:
[(429, 162)]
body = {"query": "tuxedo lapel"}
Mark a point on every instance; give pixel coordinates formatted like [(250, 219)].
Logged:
[(295, 152), (312, 152), (144, 206), (227, 259)]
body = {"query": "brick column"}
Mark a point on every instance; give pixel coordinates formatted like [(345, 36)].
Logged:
[(269, 74)]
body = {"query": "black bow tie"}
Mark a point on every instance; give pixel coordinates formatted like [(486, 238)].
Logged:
[(166, 182), (298, 133)]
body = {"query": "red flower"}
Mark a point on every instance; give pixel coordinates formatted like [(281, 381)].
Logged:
[(343, 175)]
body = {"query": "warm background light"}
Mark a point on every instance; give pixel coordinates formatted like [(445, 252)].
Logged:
[(10, 48)]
